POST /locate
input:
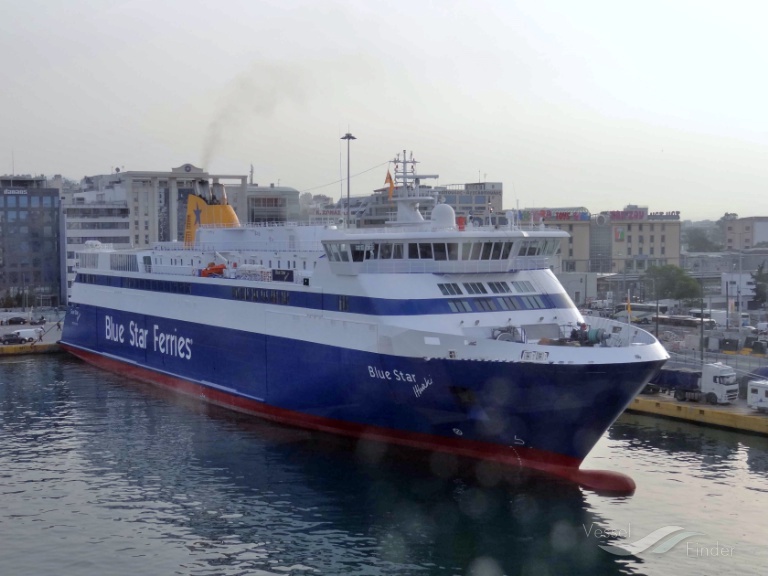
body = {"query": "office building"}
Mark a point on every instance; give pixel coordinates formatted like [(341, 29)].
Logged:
[(29, 242)]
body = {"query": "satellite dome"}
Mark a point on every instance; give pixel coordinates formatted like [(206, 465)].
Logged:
[(444, 216)]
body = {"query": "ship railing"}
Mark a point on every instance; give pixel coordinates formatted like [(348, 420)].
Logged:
[(408, 266), (395, 228), (619, 334), (175, 270), (278, 248), (96, 247), (603, 333), (285, 251), (429, 226), (268, 225)]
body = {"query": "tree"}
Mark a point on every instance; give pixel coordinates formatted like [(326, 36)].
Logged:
[(673, 282), (760, 278), (305, 199), (723, 222), (8, 301), (698, 241)]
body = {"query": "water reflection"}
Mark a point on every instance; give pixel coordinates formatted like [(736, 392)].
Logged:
[(146, 479), (713, 449)]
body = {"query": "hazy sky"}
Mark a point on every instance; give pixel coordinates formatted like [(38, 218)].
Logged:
[(600, 104)]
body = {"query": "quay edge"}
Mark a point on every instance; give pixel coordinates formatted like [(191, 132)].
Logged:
[(34, 348), (733, 416)]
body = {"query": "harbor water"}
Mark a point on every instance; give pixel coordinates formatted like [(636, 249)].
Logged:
[(100, 476)]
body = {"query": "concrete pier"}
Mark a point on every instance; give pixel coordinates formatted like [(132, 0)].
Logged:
[(735, 416)]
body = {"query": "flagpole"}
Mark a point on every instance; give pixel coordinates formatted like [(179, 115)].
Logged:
[(348, 136)]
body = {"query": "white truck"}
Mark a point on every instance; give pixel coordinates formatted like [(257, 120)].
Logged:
[(713, 383), (29, 334), (757, 395)]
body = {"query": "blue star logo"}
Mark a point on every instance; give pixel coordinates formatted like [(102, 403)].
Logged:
[(197, 212)]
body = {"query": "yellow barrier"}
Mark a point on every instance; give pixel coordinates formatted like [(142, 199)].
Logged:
[(734, 417), (36, 348)]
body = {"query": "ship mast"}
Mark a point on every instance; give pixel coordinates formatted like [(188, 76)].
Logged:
[(408, 194)]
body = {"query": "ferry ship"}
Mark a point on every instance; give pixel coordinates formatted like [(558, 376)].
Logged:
[(439, 334)]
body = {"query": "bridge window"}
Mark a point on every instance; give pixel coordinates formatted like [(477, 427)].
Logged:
[(459, 306), (523, 286), (499, 287), (509, 303), (486, 304), (358, 252), (475, 288), (451, 289)]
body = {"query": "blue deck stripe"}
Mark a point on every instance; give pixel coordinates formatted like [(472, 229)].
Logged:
[(354, 304)]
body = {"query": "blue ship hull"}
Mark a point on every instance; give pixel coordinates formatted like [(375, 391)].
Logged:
[(542, 416)]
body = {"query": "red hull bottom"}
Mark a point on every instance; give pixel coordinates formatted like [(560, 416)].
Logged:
[(601, 481)]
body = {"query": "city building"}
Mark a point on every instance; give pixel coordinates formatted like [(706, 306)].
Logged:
[(746, 233), (157, 200), (574, 255), (625, 242), (29, 242), (87, 219), (137, 208), (473, 200), (255, 204), (618, 246)]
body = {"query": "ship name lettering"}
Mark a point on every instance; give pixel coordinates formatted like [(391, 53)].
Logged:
[(396, 375), (171, 344), (418, 389), (114, 331), (138, 337), (375, 372), (404, 376)]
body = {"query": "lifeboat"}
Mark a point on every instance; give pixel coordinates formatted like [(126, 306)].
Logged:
[(213, 270)]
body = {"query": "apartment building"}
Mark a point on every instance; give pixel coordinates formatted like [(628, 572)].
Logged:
[(746, 233), (29, 242)]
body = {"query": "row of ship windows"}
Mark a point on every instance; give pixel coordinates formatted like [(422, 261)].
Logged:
[(453, 289), (261, 295), (141, 284), (97, 225), (238, 292), (503, 303), (283, 296), (345, 252)]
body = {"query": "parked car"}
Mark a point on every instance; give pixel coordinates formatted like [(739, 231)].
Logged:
[(16, 320), (29, 334), (12, 339), (38, 322)]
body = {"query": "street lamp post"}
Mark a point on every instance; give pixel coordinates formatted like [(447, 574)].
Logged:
[(701, 283), (738, 291), (655, 297), (24, 292), (348, 136)]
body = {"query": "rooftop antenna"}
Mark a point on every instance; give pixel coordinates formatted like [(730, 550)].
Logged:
[(341, 178), (348, 136)]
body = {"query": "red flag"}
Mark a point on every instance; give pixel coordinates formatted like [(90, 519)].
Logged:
[(388, 180)]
